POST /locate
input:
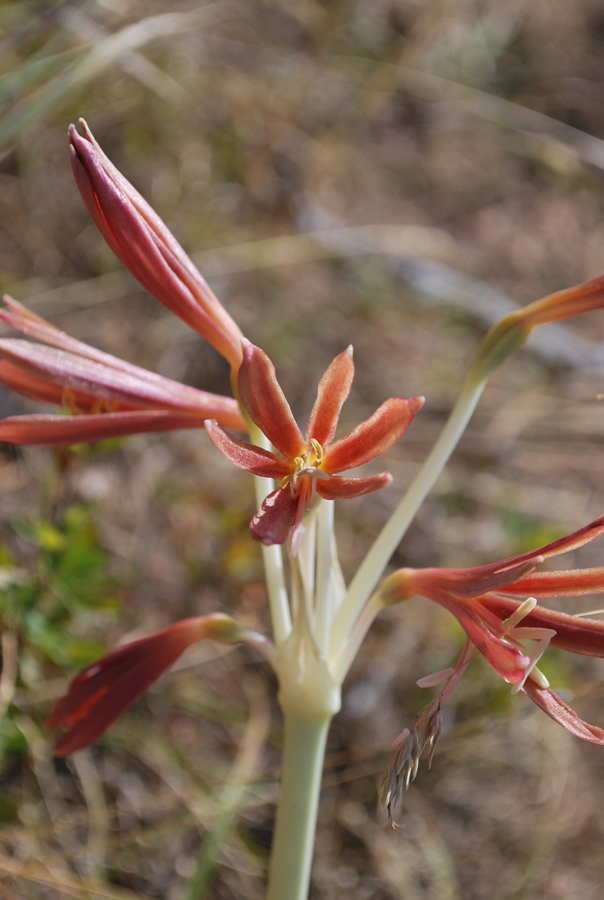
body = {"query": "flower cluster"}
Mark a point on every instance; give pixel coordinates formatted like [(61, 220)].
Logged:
[(497, 605)]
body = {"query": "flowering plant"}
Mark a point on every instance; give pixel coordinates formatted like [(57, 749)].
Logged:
[(318, 623)]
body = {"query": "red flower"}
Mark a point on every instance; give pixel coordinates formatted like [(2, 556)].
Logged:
[(307, 465), (484, 601), (141, 241), (106, 689), (112, 397)]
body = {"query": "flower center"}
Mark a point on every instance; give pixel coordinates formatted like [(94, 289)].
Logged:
[(307, 466)]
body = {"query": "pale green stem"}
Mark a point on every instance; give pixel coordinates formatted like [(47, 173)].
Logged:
[(372, 567), (350, 649), (325, 583), (272, 557), (294, 835), (306, 559)]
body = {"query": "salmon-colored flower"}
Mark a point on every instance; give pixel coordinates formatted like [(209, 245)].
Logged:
[(107, 688), (141, 241), (308, 464), (513, 633), (111, 397)]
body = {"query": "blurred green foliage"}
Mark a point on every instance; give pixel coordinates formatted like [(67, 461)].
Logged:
[(69, 581), (52, 607)]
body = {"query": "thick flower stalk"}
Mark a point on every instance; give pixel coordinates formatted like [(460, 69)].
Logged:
[(106, 396), (307, 465)]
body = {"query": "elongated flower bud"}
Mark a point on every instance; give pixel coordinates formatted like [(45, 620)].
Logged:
[(141, 241)]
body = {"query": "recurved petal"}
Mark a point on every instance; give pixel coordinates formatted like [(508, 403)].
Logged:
[(275, 519), (372, 437), (265, 402), (562, 713), (334, 389), (338, 488), (81, 429), (247, 456)]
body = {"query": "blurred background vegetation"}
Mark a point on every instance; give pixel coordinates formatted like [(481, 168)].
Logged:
[(393, 173)]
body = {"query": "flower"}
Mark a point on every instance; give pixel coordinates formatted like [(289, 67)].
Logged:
[(484, 601), (308, 465), (112, 397), (107, 688), (141, 241), (512, 332)]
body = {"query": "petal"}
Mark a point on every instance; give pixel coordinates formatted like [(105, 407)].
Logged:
[(333, 392), (102, 692), (58, 430), (98, 380), (558, 710), (146, 247), (275, 519), (575, 634), (506, 660), (372, 437), (265, 402), (247, 456), (338, 488), (570, 583), (37, 388), (469, 583), (566, 304), (23, 320)]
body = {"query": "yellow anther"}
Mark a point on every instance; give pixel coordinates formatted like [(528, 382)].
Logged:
[(318, 450)]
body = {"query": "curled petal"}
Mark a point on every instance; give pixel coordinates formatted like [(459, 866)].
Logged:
[(372, 437), (334, 389), (576, 634), (562, 713), (338, 488), (103, 691), (247, 456), (275, 519), (265, 402), (65, 430), (139, 238)]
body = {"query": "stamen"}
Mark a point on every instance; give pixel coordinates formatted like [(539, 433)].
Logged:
[(538, 676), (514, 635), (523, 610), (533, 660), (436, 678)]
